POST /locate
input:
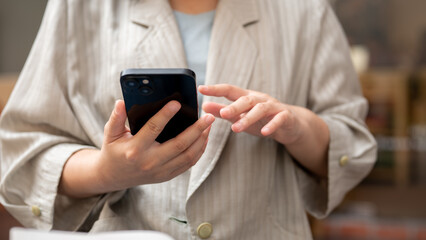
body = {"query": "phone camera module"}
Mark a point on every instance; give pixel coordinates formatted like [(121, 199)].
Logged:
[(145, 90), (132, 83)]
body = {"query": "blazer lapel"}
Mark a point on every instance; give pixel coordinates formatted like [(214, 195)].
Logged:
[(160, 45), (231, 59)]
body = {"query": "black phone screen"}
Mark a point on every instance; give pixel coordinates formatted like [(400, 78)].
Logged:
[(146, 91)]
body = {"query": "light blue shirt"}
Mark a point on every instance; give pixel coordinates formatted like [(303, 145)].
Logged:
[(195, 31)]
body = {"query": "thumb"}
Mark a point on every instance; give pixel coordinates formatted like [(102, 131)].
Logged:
[(115, 127)]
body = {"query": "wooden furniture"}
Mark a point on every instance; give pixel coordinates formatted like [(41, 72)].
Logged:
[(388, 119), (397, 102), (391, 200), (6, 223), (7, 82)]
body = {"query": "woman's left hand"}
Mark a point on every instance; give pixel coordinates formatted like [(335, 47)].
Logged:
[(255, 113), (305, 135)]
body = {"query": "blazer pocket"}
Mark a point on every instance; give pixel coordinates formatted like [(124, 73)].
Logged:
[(279, 231)]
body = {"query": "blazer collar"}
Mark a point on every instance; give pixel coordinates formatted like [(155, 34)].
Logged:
[(160, 44), (150, 12), (231, 59), (244, 12)]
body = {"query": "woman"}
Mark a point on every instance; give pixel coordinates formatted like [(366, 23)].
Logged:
[(294, 142)]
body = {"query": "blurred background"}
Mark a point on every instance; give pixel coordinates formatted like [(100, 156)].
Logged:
[(19, 23), (388, 42)]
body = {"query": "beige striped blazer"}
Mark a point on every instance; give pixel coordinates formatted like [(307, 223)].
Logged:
[(245, 186)]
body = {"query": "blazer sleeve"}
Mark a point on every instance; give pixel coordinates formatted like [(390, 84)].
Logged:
[(39, 132), (335, 95)]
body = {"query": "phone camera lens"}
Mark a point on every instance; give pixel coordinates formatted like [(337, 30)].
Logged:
[(145, 90), (132, 83)]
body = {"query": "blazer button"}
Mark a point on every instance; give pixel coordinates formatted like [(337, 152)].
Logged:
[(204, 230), (344, 160), (36, 211)]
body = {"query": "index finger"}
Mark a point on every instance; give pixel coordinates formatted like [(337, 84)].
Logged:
[(228, 91), (155, 125)]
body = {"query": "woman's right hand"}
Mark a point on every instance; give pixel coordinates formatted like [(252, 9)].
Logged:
[(125, 160)]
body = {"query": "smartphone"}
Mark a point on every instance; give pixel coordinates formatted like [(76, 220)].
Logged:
[(146, 91)]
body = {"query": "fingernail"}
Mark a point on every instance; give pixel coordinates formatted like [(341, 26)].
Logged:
[(225, 111), (174, 106), (265, 130), (202, 87), (237, 126), (115, 106), (209, 119)]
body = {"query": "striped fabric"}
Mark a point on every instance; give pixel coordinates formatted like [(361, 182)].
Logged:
[(245, 186)]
